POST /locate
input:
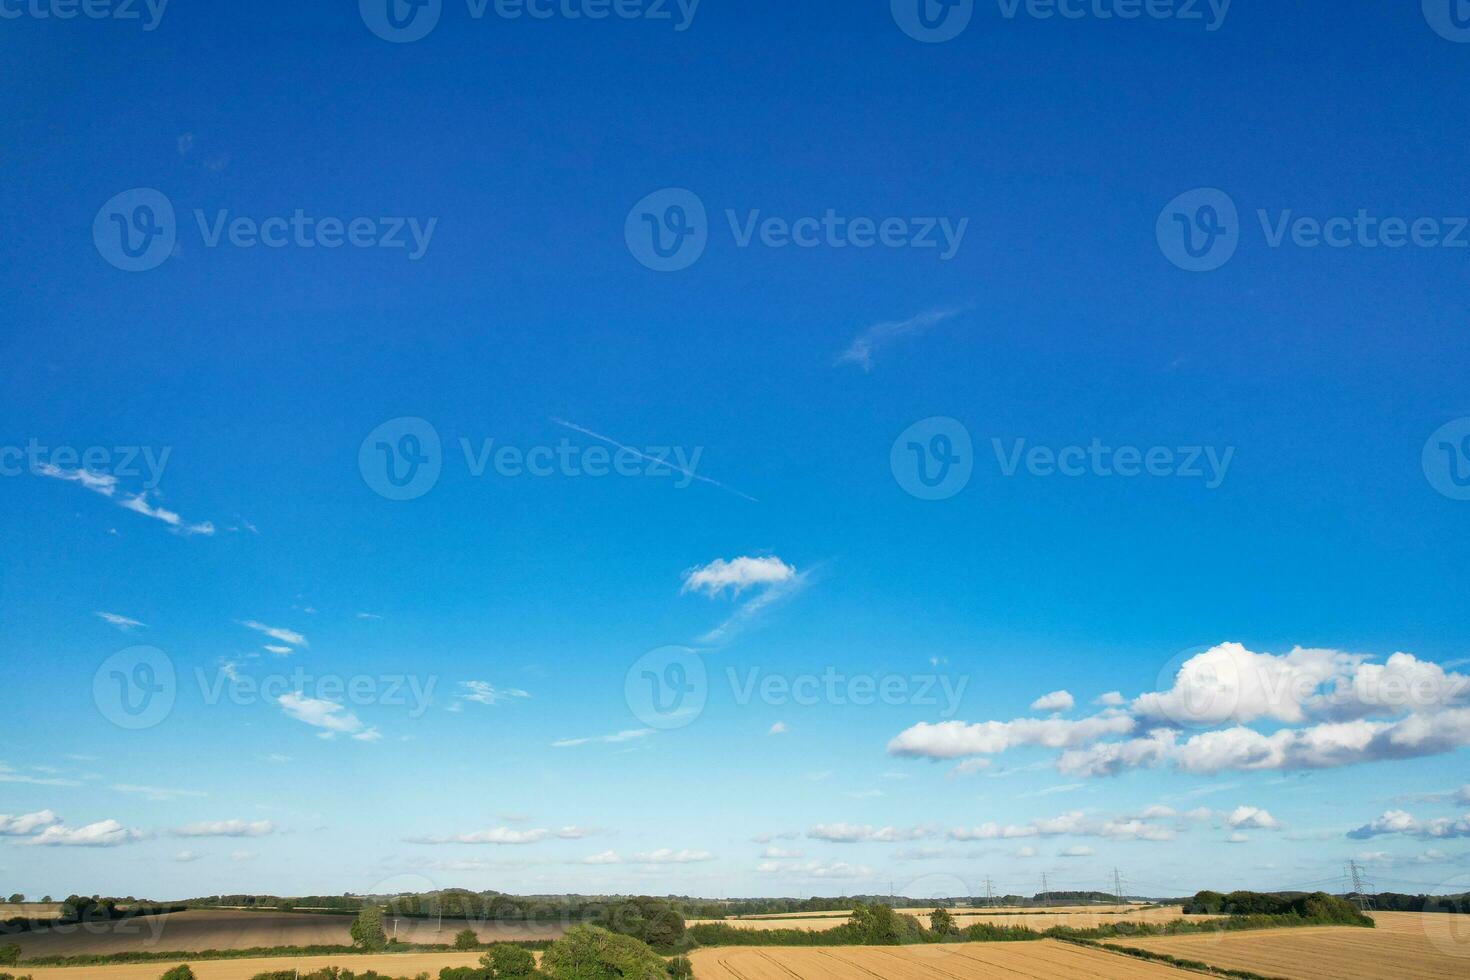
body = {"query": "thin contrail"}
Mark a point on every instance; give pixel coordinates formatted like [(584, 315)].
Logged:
[(642, 455)]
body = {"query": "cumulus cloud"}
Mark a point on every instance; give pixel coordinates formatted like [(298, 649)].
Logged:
[(226, 828), (1320, 709), (1252, 818), (781, 853), (845, 833), (606, 857), (1399, 822), (667, 855), (1053, 702), (495, 835), (737, 575), (1080, 851), (814, 869), (24, 824), (104, 833)]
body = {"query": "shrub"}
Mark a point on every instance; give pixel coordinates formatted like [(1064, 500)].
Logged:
[(178, 973), (466, 939), (941, 921), (505, 961), (464, 973), (9, 954), (680, 968), (590, 953)]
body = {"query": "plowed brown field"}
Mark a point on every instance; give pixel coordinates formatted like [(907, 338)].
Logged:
[(1404, 946), (1045, 960)]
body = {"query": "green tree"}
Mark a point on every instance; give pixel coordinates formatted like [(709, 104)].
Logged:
[(17, 899), (680, 968), (367, 929), (590, 953), (466, 939), (507, 962), (941, 921), (879, 925), (46, 899), (179, 973), (9, 954)]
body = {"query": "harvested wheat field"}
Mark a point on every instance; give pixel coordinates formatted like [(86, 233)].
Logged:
[(1044, 960), (391, 964), (1404, 946), (199, 929), (1080, 917)]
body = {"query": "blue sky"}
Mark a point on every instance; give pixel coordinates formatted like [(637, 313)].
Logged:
[(1308, 403)]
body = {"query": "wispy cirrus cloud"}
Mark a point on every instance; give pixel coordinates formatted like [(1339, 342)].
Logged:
[(292, 637), (124, 623), (769, 578), (628, 735), (483, 692), (107, 485), (331, 717), (506, 836), (880, 335)]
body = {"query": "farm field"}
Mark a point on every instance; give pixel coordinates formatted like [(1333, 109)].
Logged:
[(1080, 917), (1404, 946), (199, 929), (392, 964), (969, 961)]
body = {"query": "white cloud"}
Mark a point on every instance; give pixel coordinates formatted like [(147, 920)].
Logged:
[(774, 579), (781, 853), (576, 833), (495, 835), (1054, 702), (1326, 709), (956, 739), (970, 766), (845, 833), (483, 692), (226, 828), (606, 857), (1237, 838), (1077, 852), (779, 728), (185, 857), (1112, 699), (665, 855), (814, 870), (158, 794), (327, 715), (1251, 818), (862, 348), (276, 633), (103, 483), (623, 736), (1404, 824), (1073, 824), (279, 651), (9, 775), (104, 833), (26, 823), (123, 623)]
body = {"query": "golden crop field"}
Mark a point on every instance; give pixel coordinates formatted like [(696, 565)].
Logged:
[(969, 961), (1404, 946), (1077, 917), (199, 929), (391, 964)]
